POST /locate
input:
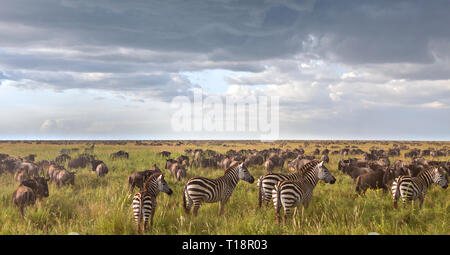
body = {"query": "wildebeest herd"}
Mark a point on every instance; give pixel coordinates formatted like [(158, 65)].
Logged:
[(374, 169)]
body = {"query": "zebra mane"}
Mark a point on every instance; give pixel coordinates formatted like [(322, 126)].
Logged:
[(308, 166), (231, 168), (151, 178)]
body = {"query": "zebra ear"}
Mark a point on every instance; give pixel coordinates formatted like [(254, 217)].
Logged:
[(321, 163)]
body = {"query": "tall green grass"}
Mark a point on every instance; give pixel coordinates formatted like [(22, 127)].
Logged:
[(103, 205)]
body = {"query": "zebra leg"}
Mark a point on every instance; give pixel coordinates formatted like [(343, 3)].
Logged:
[(420, 201), (287, 212), (187, 202), (221, 205), (195, 210)]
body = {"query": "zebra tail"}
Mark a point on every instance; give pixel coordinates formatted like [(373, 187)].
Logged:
[(260, 193), (278, 200), (184, 200)]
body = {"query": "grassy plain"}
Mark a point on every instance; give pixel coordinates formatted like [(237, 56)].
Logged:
[(103, 205)]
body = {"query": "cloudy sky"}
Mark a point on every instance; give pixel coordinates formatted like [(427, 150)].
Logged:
[(102, 69)]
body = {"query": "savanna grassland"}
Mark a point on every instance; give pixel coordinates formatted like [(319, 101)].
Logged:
[(103, 205)]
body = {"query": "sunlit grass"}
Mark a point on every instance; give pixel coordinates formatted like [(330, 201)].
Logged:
[(103, 205)]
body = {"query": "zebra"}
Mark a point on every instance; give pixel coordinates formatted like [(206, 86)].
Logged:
[(267, 182), (144, 202), (201, 189), (412, 188), (290, 193)]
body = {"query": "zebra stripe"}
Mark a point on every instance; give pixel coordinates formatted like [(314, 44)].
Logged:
[(200, 189), (412, 188), (267, 182), (144, 202), (142, 208), (290, 193)]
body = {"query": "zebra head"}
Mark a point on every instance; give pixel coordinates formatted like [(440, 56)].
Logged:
[(244, 174), (440, 177), (324, 174), (163, 186)]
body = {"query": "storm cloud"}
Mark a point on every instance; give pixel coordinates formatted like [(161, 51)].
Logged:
[(339, 67)]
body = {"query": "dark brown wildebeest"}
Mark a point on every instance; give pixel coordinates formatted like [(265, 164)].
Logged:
[(61, 159), (28, 191), (30, 157), (137, 179), (182, 159), (164, 154), (372, 180), (355, 171), (254, 160), (95, 163), (101, 170), (120, 155), (80, 162), (277, 161)]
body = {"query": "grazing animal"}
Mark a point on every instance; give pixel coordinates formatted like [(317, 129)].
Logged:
[(95, 163), (201, 189), (412, 188), (269, 165), (21, 175), (120, 155), (325, 158), (137, 179), (144, 202), (267, 182), (164, 154), (355, 171), (61, 159), (64, 177), (28, 191), (101, 170), (372, 180), (294, 193)]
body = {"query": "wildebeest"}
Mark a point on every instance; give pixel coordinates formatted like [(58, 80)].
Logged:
[(355, 171), (298, 163), (164, 154), (254, 160), (269, 165), (120, 155), (95, 163), (28, 191), (61, 159), (325, 158), (175, 168), (101, 170), (64, 177), (372, 180), (137, 179)]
